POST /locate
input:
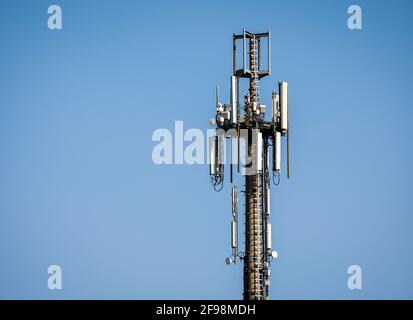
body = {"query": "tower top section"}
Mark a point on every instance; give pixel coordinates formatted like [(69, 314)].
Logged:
[(250, 41)]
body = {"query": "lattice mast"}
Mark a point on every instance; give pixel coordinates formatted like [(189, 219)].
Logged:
[(259, 135)]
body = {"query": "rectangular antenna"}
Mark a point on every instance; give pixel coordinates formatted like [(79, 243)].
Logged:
[(283, 87), (275, 106), (211, 155), (234, 108)]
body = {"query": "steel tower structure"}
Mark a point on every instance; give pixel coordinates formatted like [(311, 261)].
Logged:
[(258, 135)]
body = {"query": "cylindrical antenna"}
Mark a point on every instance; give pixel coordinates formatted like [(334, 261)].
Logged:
[(238, 101), (221, 160), (288, 153), (269, 53), (267, 181), (234, 223), (268, 237), (267, 162), (234, 57), (238, 148), (238, 127), (230, 158), (234, 198), (234, 244), (216, 154), (276, 151), (273, 106)]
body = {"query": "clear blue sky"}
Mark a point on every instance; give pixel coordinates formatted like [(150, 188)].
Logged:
[(78, 187)]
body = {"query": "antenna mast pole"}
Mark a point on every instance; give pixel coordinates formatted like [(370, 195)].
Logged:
[(259, 134)]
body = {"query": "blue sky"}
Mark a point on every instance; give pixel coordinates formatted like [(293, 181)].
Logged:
[(78, 187)]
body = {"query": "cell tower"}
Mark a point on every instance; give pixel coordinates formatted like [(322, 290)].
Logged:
[(258, 136)]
